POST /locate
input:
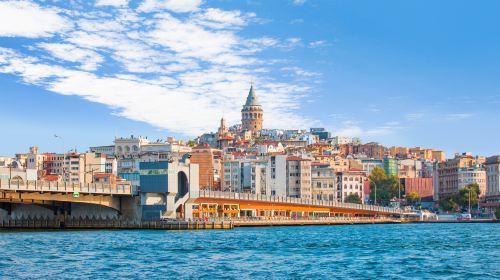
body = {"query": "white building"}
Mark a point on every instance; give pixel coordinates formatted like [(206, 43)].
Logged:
[(107, 150), (270, 147), (244, 175), (129, 147), (276, 175), (6, 161), (492, 167), (410, 168), (472, 175), (350, 182), (340, 140)]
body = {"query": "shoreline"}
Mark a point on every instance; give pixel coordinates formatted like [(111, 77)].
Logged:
[(225, 225)]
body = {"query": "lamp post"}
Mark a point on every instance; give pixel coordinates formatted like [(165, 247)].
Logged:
[(469, 198), (399, 188)]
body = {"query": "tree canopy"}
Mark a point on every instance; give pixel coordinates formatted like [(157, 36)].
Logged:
[(461, 198), (353, 198), (470, 191), (412, 198), (448, 203), (387, 187)]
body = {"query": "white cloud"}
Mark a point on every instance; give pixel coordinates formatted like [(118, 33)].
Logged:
[(191, 40), (219, 19), (352, 129), (178, 6), (299, 72), (458, 116), (297, 21), (115, 3), (317, 44), (175, 72), (291, 43), (26, 19), (88, 59), (299, 2), (415, 116)]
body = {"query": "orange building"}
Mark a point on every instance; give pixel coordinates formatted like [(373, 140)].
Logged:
[(209, 161)]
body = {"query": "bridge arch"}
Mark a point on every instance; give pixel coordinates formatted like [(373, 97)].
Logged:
[(182, 184), (16, 180)]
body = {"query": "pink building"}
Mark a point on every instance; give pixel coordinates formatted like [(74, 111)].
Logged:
[(424, 187)]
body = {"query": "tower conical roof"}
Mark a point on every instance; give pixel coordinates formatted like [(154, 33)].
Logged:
[(252, 98)]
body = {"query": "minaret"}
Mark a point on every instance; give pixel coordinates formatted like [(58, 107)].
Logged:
[(223, 127), (252, 114)]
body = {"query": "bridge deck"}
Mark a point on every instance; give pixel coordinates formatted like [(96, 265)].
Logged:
[(64, 187), (276, 200)]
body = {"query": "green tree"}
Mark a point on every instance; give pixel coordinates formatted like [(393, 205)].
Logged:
[(386, 187), (191, 143), (353, 198), (469, 192), (412, 198), (377, 175), (448, 203)]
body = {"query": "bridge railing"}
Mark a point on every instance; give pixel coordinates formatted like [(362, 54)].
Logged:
[(67, 187), (293, 200)]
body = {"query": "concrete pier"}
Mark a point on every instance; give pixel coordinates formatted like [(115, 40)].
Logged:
[(43, 224), (264, 223)]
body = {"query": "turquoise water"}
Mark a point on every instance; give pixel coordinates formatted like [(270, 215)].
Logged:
[(409, 251)]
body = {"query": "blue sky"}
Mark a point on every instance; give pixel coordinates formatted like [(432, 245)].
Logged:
[(408, 73)]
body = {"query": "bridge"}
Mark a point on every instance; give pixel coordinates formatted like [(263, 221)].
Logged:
[(46, 193), (62, 197), (213, 204)]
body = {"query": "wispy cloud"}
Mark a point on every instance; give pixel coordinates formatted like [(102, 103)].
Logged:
[(114, 3), (415, 116), (318, 44), (27, 19), (297, 21), (178, 6), (299, 72), (354, 129), (299, 2), (176, 65), (458, 116)]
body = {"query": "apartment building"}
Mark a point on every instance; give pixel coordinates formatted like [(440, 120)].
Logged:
[(323, 182), (209, 161), (244, 175), (492, 167), (298, 181), (350, 182), (448, 173)]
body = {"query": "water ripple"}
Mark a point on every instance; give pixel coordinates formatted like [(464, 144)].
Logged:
[(410, 251)]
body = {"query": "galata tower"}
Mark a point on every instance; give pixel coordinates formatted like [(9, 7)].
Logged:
[(252, 114)]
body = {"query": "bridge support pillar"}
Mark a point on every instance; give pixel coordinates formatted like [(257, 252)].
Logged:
[(188, 211), (7, 207)]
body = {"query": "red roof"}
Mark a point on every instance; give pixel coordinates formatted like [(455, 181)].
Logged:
[(101, 175), (243, 153), (50, 177), (355, 169), (295, 158), (269, 142)]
